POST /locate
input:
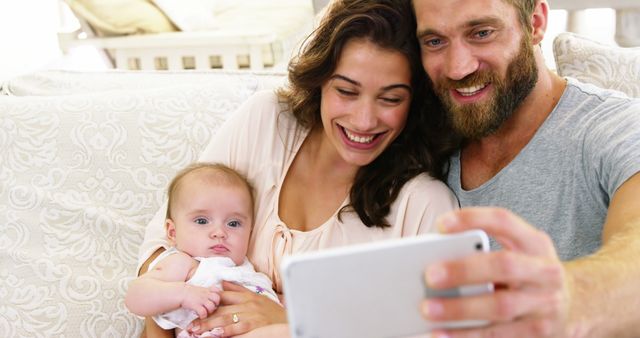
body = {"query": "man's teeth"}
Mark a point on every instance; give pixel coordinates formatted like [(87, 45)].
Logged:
[(358, 139), (468, 91)]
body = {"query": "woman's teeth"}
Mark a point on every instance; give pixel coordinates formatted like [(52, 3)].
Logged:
[(358, 139)]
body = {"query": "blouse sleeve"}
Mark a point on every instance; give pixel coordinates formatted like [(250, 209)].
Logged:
[(235, 144)]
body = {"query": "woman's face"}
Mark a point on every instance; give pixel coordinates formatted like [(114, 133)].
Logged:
[(365, 102)]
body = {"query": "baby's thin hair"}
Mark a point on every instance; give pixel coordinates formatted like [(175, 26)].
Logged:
[(225, 175)]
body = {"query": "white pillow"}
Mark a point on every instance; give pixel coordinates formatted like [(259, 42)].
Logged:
[(593, 62), (121, 17), (190, 15)]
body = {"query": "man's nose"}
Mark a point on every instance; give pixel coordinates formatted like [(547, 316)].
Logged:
[(460, 61)]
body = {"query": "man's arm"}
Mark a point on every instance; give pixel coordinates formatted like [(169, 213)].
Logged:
[(605, 289), (536, 294)]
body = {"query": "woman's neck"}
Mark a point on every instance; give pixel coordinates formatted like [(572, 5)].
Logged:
[(322, 160)]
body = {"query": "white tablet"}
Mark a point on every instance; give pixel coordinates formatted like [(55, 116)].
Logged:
[(375, 289)]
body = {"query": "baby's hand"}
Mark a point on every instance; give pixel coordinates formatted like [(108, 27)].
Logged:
[(201, 300)]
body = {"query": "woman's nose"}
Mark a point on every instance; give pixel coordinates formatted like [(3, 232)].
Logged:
[(364, 118)]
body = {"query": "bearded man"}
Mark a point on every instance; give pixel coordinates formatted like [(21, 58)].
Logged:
[(563, 155)]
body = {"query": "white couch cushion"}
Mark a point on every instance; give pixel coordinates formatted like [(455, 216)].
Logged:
[(603, 65), (80, 176), (62, 82)]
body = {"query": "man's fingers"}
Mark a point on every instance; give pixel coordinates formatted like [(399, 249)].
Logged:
[(506, 227), (524, 328), (500, 307), (501, 267)]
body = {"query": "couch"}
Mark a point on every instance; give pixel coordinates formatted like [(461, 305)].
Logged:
[(85, 158)]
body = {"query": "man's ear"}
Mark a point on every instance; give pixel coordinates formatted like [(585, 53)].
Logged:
[(539, 19), (171, 231)]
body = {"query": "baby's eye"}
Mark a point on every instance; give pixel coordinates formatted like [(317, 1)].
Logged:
[(201, 221), (234, 224)]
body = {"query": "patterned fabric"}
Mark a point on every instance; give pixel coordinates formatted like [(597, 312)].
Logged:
[(603, 65), (80, 177)]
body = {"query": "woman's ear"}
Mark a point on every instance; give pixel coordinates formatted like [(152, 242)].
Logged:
[(539, 19), (171, 231)]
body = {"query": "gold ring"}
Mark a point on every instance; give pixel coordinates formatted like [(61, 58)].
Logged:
[(235, 318)]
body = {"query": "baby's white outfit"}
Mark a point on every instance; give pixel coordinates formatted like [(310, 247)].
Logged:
[(212, 271)]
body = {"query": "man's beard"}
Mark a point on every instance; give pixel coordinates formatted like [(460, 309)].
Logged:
[(477, 120)]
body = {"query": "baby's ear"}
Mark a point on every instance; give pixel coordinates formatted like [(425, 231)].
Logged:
[(171, 231)]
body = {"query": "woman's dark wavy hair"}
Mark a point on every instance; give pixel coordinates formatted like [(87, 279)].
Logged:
[(423, 145)]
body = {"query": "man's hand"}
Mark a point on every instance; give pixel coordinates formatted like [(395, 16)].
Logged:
[(531, 297)]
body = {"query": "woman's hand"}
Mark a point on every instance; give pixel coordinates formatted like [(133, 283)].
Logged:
[(241, 310), (269, 331)]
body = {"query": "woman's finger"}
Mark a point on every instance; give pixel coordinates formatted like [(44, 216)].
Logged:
[(230, 286)]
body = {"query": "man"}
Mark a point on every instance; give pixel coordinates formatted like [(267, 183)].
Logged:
[(563, 155)]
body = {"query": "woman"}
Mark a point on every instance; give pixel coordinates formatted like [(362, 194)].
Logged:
[(347, 153)]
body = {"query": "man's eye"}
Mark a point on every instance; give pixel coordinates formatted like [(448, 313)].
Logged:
[(234, 224), (485, 33), (201, 221), (433, 42)]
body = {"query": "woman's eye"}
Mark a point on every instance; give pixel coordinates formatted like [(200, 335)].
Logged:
[(345, 92), (234, 224), (201, 221), (392, 100)]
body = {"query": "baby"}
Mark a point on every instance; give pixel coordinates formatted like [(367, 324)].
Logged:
[(208, 224)]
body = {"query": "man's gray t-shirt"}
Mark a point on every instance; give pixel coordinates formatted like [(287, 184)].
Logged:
[(563, 179)]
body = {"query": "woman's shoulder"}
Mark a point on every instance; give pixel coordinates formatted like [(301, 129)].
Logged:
[(419, 203), (426, 184), (424, 192), (266, 106)]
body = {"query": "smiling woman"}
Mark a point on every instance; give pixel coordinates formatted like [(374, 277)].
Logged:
[(366, 102), (348, 152)]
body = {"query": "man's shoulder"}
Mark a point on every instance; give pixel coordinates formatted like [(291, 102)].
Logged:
[(583, 99), (578, 88)]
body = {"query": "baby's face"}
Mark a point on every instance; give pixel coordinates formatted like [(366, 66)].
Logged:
[(211, 218)]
